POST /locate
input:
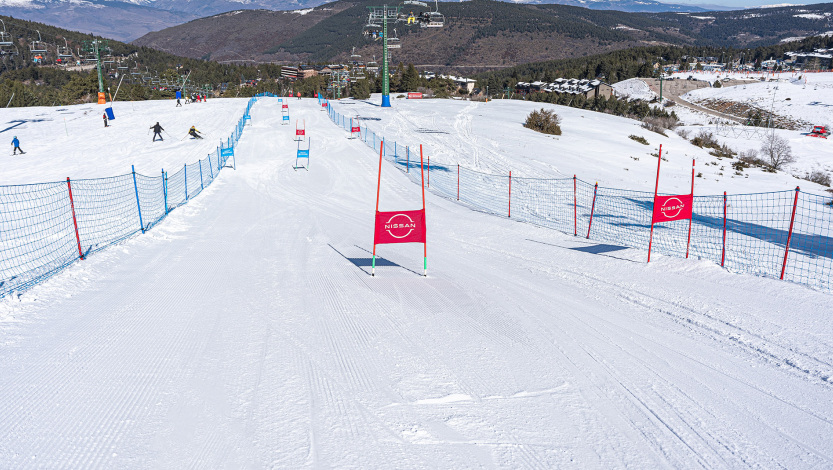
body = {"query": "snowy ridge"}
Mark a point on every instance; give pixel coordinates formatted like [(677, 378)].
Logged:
[(88, 215), (756, 230)]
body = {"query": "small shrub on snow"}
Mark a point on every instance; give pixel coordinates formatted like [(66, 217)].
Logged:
[(818, 177), (639, 139), (705, 139), (545, 121), (659, 124)]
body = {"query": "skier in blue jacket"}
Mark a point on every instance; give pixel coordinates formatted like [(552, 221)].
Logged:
[(16, 144)]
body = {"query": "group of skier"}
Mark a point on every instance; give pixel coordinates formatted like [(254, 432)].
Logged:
[(157, 131), (195, 98)]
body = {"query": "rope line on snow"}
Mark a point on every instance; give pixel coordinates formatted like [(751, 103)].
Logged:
[(38, 234), (744, 233)]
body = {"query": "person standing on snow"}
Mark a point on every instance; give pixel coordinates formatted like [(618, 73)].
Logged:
[(193, 132), (178, 97), (16, 144), (105, 120), (157, 130)]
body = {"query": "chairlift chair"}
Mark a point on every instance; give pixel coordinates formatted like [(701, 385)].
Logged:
[(432, 19), (393, 41), (5, 37), (38, 47), (65, 53)]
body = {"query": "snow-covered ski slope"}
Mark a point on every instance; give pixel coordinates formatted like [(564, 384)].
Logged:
[(244, 331)]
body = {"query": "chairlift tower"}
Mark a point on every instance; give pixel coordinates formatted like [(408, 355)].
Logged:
[(338, 80), (379, 16), (95, 47)]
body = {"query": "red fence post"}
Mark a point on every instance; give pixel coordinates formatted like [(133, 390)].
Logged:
[(723, 252), (688, 243), (790, 235), (458, 181), (74, 222), (510, 193), (653, 204), (575, 209), (592, 208)]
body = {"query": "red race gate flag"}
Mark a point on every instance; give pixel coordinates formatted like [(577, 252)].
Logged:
[(355, 129), (400, 227), (668, 208)]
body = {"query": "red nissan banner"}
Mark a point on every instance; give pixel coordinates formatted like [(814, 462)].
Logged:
[(285, 106), (299, 131), (414, 96), (355, 129), (668, 208), (400, 227)]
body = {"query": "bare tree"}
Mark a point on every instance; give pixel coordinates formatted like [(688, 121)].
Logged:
[(777, 150)]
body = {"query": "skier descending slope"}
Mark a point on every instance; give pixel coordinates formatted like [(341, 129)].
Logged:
[(157, 130), (193, 132), (16, 144)]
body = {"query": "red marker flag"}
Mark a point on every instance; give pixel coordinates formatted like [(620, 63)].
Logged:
[(668, 208), (400, 227)]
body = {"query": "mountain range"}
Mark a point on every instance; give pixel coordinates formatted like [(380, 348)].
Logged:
[(478, 34), (126, 20)]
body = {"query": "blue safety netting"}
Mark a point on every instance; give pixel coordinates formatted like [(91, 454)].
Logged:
[(38, 232)]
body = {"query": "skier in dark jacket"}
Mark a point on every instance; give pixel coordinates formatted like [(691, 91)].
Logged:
[(193, 132), (105, 119), (157, 130), (16, 144)]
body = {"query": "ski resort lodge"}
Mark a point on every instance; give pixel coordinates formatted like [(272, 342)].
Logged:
[(573, 86)]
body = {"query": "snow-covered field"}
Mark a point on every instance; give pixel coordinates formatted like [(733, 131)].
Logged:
[(633, 89), (244, 331), (806, 98)]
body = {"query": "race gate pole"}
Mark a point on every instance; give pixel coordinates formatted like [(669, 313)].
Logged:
[(723, 251), (408, 154), (458, 181), (592, 209), (688, 243), (790, 235), (424, 244), (656, 188), (74, 222), (185, 167), (378, 186), (428, 164)]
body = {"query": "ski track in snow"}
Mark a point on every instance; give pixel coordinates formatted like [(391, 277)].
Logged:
[(244, 331)]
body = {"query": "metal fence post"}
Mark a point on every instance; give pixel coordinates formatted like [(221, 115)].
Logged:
[(723, 251), (138, 204), (165, 190), (592, 209), (74, 222), (790, 235)]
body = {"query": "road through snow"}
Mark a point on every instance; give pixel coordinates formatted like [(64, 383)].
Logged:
[(244, 331)]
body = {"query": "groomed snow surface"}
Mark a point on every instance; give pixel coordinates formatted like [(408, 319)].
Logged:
[(244, 331)]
